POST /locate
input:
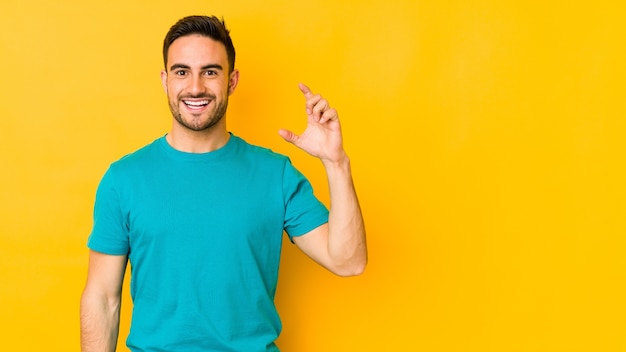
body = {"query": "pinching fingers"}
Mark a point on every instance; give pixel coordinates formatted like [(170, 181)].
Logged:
[(317, 108)]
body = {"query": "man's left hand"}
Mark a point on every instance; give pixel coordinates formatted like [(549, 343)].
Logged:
[(322, 137)]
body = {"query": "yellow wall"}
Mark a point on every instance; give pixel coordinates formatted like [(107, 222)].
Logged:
[(487, 140)]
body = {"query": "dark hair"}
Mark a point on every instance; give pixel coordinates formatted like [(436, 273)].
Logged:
[(209, 26)]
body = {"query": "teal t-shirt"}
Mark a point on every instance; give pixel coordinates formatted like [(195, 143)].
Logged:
[(203, 233)]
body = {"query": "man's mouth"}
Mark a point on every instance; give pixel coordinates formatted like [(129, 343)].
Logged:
[(196, 104)]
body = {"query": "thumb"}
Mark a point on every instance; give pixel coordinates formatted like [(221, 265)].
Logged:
[(288, 136)]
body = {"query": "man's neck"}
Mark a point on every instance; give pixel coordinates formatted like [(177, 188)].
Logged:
[(190, 141)]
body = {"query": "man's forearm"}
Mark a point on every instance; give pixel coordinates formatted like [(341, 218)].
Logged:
[(99, 324), (346, 230)]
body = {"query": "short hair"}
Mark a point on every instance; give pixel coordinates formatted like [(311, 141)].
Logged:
[(209, 26)]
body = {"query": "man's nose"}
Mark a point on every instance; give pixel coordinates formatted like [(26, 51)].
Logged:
[(196, 85)]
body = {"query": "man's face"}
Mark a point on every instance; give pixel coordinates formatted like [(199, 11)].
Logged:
[(197, 81)]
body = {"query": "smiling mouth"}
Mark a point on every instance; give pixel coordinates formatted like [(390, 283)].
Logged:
[(196, 104)]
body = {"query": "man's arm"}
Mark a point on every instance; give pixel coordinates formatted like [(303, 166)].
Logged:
[(340, 245), (101, 301)]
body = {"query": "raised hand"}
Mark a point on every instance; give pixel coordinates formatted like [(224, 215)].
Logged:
[(322, 137)]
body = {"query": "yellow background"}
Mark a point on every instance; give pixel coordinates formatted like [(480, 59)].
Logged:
[(487, 141)]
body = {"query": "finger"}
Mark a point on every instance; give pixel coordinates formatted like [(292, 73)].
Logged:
[(329, 115), (288, 135), (305, 90), (311, 102), (319, 108)]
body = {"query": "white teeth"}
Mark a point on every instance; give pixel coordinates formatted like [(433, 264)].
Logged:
[(196, 103)]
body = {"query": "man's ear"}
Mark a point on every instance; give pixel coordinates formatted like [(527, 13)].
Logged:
[(232, 81), (164, 80)]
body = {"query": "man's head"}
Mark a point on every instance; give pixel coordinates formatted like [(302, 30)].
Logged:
[(199, 73), (209, 26)]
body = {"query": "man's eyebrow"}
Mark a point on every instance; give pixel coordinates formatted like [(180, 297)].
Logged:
[(205, 67), (177, 66), (216, 66)]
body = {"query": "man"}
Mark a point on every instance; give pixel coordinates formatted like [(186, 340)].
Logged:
[(200, 214)]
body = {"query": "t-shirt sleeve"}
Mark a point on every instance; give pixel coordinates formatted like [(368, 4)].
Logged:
[(303, 211), (109, 234)]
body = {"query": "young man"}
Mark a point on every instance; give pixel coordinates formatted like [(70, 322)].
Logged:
[(200, 214)]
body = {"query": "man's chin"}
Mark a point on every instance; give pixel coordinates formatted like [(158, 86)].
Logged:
[(196, 123)]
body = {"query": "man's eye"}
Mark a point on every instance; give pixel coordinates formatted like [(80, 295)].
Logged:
[(180, 73), (211, 73)]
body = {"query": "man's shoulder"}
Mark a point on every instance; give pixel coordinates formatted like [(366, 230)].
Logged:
[(138, 157), (258, 151)]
